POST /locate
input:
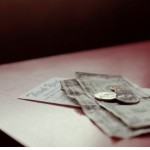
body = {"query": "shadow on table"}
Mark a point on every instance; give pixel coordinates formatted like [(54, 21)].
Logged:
[(7, 141)]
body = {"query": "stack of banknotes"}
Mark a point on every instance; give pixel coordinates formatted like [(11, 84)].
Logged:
[(117, 106), (114, 104)]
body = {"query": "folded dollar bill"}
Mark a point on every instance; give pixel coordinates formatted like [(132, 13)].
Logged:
[(50, 92), (134, 116), (126, 120), (105, 120)]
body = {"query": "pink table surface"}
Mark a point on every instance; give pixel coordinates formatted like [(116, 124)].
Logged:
[(39, 124)]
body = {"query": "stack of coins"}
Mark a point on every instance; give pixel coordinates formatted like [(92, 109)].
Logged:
[(120, 93)]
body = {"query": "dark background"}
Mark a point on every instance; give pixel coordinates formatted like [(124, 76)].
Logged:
[(35, 28)]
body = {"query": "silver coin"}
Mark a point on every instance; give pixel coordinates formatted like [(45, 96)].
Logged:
[(117, 88), (127, 97), (108, 96)]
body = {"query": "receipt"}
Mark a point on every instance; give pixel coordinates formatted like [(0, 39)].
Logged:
[(50, 92)]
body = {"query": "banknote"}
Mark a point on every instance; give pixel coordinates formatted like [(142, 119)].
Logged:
[(105, 120), (49, 92), (146, 91), (134, 116)]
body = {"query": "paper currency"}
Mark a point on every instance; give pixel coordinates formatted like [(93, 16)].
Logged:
[(134, 116), (54, 94), (106, 121), (50, 92)]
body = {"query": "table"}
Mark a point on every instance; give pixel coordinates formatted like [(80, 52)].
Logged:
[(39, 124)]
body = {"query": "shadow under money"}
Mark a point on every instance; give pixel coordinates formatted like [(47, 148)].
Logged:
[(49, 103)]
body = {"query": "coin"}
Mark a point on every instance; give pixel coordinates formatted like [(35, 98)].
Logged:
[(116, 88), (127, 97), (108, 96)]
